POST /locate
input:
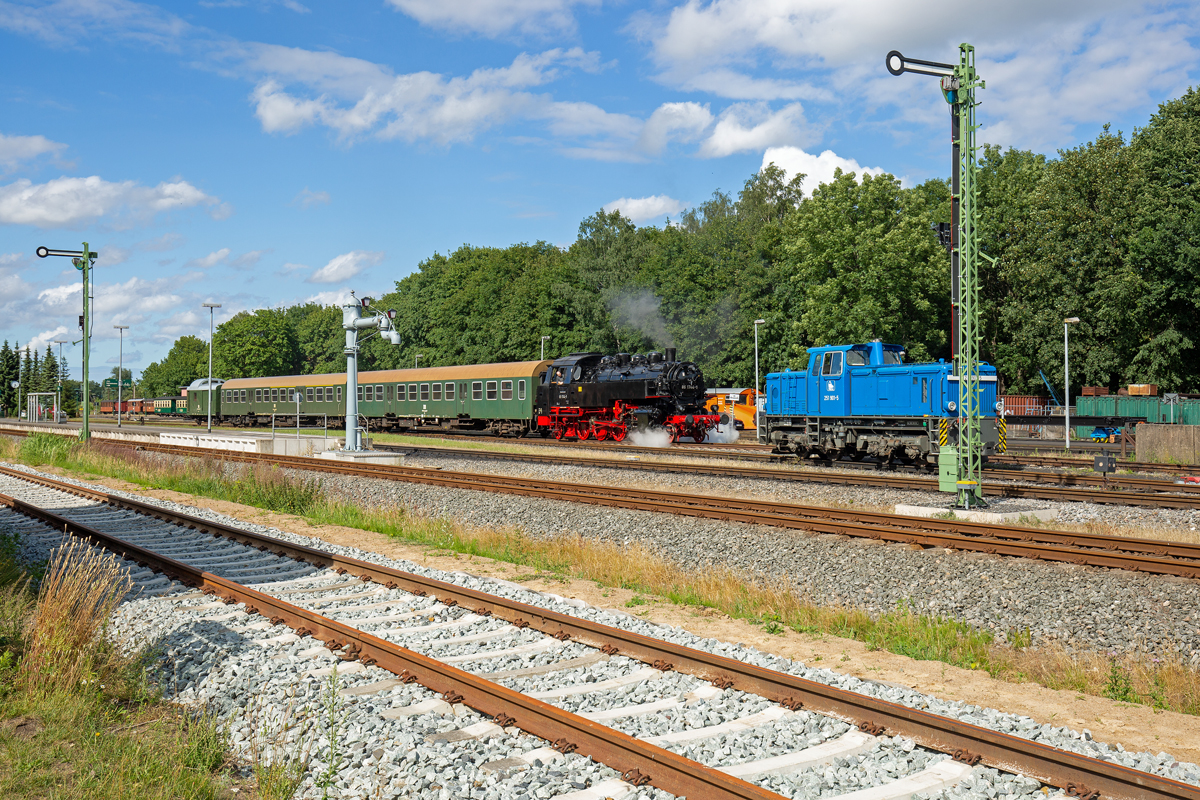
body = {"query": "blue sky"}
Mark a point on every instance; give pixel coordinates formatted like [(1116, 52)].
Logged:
[(264, 152)]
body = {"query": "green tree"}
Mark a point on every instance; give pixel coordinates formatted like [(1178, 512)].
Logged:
[(865, 264), (254, 344), (186, 361), (9, 372), (1164, 246)]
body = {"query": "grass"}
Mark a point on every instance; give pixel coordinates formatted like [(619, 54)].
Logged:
[(78, 719), (1161, 680)]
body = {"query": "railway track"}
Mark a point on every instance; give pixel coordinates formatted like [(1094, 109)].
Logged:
[(450, 640), (1139, 555)]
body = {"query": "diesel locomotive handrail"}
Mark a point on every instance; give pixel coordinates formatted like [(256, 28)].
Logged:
[(1078, 774)]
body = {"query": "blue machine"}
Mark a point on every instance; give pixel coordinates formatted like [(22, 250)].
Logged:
[(862, 400)]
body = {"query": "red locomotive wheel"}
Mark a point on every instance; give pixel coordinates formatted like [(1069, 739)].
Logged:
[(558, 432), (583, 432), (618, 435), (698, 434), (601, 434)]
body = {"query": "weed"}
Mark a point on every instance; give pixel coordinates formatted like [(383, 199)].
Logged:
[(1020, 638), (636, 600), (332, 706), (1119, 687)]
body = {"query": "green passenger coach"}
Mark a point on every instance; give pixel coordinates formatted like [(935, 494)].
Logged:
[(494, 397)]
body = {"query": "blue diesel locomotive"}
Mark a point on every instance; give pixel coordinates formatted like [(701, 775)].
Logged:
[(862, 400)]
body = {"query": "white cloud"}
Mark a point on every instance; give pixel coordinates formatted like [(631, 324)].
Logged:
[(334, 297), (308, 198), (745, 127), (817, 169), (39, 342), (640, 209), (17, 149), (210, 260), (67, 202), (249, 258), (1050, 68), (683, 121), (125, 359), (495, 17), (357, 98), (345, 266)]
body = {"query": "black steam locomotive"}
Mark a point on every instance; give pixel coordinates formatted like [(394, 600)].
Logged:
[(591, 394)]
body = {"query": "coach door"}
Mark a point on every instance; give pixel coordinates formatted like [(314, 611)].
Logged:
[(831, 394)]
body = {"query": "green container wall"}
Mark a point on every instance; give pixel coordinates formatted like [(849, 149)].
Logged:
[(1187, 412)]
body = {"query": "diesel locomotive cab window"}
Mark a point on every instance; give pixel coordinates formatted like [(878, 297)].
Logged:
[(520, 390), (308, 394), (491, 390), (437, 391), (506, 390), (891, 358), (833, 364), (424, 392), (476, 390), (449, 391), (857, 358), (816, 367)]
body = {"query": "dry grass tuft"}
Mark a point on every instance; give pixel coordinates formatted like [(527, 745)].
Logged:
[(65, 643)]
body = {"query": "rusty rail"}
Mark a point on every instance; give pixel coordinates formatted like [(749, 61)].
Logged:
[(1079, 775)]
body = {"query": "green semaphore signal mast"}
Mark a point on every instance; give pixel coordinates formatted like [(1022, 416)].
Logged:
[(962, 461)]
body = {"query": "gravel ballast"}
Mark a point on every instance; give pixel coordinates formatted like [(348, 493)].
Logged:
[(219, 665)]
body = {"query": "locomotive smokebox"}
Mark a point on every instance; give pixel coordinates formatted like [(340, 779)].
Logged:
[(670, 353)]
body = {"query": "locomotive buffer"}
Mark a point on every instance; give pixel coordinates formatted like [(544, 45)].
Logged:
[(960, 464)]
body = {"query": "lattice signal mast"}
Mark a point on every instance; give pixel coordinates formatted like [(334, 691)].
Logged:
[(958, 83)]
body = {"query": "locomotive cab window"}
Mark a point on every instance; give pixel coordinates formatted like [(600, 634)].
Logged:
[(449, 391), (832, 366), (477, 390), (893, 358), (858, 357), (577, 373), (437, 391), (521, 390), (491, 390), (506, 390), (308, 393), (816, 367), (424, 392)]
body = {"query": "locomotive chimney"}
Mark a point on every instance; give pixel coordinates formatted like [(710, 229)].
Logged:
[(670, 353)]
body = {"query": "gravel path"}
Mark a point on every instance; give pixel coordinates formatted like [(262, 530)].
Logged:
[(219, 664)]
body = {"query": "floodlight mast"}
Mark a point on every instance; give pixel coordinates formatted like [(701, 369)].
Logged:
[(958, 83), (353, 321), (82, 259)]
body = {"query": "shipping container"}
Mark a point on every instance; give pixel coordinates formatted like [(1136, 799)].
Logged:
[(1025, 404)]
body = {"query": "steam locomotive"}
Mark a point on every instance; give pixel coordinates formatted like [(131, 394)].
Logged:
[(591, 394)]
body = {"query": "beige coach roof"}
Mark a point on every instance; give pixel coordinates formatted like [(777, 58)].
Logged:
[(516, 369)]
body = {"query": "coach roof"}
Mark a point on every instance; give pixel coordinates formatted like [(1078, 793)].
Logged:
[(517, 369)]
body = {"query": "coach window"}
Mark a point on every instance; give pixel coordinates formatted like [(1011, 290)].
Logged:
[(370, 393), (389, 391), (449, 391), (506, 390), (424, 392), (412, 392), (339, 394), (360, 393), (308, 394), (400, 391), (244, 393), (258, 395), (320, 394), (437, 391), (379, 391), (521, 390), (476, 390), (491, 390)]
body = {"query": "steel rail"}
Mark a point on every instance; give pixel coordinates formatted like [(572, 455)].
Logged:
[(1079, 775), (1180, 559), (639, 762)]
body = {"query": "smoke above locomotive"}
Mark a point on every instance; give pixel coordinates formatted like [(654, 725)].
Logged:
[(609, 396)]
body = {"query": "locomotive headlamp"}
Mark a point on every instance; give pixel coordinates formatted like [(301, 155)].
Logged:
[(999, 407), (951, 406)]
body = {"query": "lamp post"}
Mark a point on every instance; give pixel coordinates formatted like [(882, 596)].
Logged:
[(58, 386), (757, 322), (544, 338), (1067, 379), (120, 369), (211, 310), (417, 358)]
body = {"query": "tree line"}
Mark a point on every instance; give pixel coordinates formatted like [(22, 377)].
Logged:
[(1107, 232), (33, 372)]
